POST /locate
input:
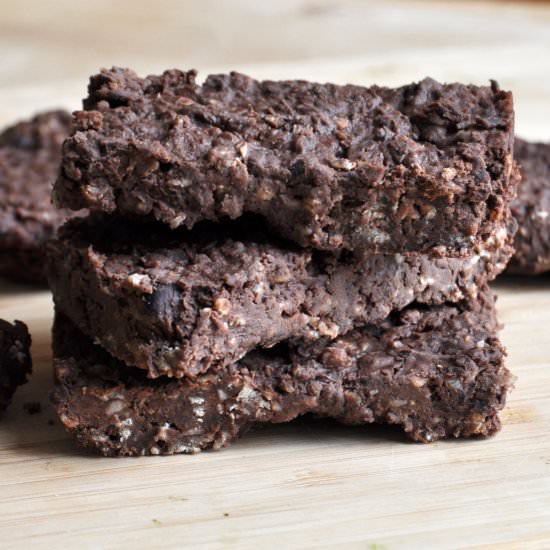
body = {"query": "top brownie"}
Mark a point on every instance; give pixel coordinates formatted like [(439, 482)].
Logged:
[(426, 166)]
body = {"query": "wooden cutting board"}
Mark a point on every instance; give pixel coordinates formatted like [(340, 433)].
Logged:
[(304, 485), (307, 484)]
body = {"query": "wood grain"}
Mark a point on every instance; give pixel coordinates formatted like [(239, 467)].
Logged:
[(307, 484)]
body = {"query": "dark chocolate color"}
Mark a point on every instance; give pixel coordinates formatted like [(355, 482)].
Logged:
[(15, 359), (435, 371), (422, 167), (178, 303), (30, 153), (532, 209)]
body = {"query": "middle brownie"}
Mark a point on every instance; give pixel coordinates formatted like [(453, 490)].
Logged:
[(178, 302)]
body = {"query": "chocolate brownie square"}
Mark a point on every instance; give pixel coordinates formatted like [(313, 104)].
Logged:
[(414, 169), (179, 302), (531, 209), (30, 153)]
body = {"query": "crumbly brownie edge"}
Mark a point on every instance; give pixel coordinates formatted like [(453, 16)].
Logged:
[(186, 322), (15, 359), (436, 372)]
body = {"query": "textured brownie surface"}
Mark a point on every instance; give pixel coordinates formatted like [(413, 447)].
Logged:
[(388, 170), (178, 302), (435, 371), (532, 209), (30, 153), (15, 359)]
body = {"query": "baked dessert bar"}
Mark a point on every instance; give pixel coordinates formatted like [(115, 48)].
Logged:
[(435, 371), (422, 167), (178, 302), (30, 153), (531, 209)]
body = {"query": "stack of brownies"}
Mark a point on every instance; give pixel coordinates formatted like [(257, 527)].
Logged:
[(257, 251)]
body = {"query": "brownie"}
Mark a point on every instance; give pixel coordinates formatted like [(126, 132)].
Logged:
[(532, 209), (435, 371), (422, 167), (30, 153), (179, 302), (15, 359)]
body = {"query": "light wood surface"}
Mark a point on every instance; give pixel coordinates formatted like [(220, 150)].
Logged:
[(307, 484)]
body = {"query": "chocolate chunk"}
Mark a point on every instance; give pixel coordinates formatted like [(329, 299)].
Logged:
[(422, 167), (178, 302), (15, 359), (435, 371)]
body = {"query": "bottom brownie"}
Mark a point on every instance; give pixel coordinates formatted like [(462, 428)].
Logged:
[(15, 359), (435, 371)]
